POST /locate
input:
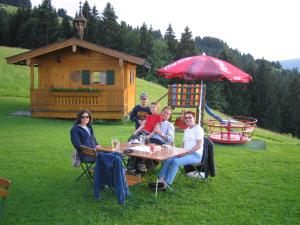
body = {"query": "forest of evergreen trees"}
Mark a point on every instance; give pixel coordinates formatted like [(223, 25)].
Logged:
[(273, 97)]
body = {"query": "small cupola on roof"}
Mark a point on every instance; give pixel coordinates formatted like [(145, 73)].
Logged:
[(80, 22)]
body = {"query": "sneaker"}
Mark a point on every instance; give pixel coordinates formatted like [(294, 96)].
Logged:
[(161, 186), (91, 171), (196, 174), (142, 168), (130, 169)]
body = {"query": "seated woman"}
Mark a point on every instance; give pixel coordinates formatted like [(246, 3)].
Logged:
[(193, 140), (82, 134)]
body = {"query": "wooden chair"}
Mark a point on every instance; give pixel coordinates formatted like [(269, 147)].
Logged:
[(87, 166), (4, 185)]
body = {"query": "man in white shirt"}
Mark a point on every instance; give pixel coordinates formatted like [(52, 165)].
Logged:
[(193, 139)]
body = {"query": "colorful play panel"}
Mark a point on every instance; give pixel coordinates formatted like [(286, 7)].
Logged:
[(238, 130), (184, 97)]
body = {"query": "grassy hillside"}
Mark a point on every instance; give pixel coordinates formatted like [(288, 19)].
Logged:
[(8, 8), (14, 79)]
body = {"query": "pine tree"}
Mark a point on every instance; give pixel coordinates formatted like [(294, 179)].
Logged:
[(91, 15), (186, 45), (86, 10), (4, 28), (171, 41), (145, 44), (66, 28), (291, 103), (16, 21), (110, 29), (159, 57), (61, 12), (130, 39), (29, 33), (47, 25), (234, 93), (267, 97)]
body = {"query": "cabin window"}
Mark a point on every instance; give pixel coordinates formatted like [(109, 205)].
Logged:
[(103, 77), (99, 77), (131, 81)]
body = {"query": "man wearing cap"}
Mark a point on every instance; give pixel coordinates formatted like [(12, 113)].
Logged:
[(140, 111)]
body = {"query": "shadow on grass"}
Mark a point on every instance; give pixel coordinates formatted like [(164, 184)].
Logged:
[(252, 145)]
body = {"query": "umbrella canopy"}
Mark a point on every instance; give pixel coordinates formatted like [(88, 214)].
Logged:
[(204, 67)]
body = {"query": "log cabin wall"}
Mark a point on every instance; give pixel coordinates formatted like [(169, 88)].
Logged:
[(61, 69), (55, 69), (131, 85)]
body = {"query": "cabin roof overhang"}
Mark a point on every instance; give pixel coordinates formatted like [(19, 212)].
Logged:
[(23, 58)]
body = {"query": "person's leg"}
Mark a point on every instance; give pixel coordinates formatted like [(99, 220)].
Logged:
[(165, 169), (131, 167), (181, 161)]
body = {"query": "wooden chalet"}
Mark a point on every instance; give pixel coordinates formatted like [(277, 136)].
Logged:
[(74, 74)]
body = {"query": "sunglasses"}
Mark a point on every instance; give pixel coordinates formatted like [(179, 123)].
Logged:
[(188, 117), (84, 117), (144, 98)]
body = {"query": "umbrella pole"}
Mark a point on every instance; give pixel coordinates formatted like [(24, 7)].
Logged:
[(200, 104)]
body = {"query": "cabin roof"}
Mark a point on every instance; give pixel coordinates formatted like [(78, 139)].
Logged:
[(21, 58)]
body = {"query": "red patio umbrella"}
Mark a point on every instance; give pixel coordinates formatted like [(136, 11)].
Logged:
[(204, 67)]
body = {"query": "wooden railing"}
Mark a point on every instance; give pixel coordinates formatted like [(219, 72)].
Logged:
[(106, 100)]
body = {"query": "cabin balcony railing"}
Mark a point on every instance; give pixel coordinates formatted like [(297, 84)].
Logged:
[(106, 100)]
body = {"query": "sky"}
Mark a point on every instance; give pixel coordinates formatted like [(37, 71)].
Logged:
[(265, 29)]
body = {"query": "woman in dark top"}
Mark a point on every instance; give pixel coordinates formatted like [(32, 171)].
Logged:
[(82, 134)]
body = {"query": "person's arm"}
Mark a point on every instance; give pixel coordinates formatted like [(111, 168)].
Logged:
[(168, 136), (97, 146), (139, 129), (198, 145), (133, 116), (75, 139)]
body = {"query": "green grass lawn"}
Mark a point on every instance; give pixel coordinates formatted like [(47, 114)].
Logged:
[(251, 186)]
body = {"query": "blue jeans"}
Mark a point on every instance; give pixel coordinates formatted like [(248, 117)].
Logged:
[(171, 166)]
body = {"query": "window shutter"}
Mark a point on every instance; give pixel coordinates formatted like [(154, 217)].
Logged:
[(110, 78), (85, 77)]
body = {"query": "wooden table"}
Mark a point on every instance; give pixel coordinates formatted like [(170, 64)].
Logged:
[(158, 155)]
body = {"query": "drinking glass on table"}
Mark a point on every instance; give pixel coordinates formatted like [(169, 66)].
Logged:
[(142, 139), (115, 143)]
